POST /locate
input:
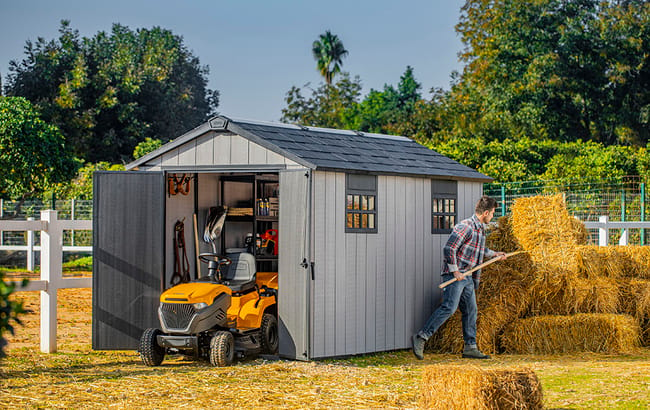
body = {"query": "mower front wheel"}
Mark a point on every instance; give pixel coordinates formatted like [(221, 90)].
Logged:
[(222, 349), (150, 352), (270, 340)]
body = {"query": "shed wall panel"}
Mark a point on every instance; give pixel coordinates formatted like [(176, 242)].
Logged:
[(378, 288), (205, 149)]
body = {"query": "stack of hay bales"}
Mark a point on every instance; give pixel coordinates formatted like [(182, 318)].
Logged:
[(562, 295), (455, 387)]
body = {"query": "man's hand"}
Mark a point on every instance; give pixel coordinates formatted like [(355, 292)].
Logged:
[(458, 275), (501, 255)]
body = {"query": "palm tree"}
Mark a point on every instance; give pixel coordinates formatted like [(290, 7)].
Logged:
[(328, 52)]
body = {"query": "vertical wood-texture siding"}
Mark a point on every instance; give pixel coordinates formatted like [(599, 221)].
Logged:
[(128, 240), (294, 280), (371, 292), (219, 148)]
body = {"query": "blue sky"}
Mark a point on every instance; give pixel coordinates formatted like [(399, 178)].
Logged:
[(256, 49)]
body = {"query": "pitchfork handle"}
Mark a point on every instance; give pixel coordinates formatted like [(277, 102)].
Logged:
[(474, 269)]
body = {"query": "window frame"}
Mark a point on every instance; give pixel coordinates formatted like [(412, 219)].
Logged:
[(444, 190), (361, 185)]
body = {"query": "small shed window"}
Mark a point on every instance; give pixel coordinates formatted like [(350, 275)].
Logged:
[(444, 198), (361, 203)]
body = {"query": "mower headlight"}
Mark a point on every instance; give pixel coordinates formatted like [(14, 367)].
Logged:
[(199, 306)]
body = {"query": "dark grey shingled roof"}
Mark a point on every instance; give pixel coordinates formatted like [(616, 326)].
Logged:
[(336, 150)]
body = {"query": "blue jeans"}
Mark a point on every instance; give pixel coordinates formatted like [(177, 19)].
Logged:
[(459, 294)]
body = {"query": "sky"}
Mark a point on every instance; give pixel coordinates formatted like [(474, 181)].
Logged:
[(257, 50)]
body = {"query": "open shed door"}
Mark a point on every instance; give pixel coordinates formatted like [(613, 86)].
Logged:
[(294, 265), (128, 256)]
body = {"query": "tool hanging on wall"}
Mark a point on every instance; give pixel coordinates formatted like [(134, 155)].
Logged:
[(179, 184), (181, 263)]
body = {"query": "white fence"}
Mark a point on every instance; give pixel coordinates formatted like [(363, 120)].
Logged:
[(604, 225), (51, 267)]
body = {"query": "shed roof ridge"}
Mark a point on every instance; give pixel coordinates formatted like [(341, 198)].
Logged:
[(319, 129)]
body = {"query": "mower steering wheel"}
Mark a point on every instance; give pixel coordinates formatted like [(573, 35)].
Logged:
[(213, 257)]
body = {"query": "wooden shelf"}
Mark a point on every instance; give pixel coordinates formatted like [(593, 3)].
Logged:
[(267, 218)]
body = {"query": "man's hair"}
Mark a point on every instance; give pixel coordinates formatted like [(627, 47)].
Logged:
[(485, 204)]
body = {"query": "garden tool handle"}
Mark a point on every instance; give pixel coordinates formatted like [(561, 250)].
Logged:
[(474, 269)]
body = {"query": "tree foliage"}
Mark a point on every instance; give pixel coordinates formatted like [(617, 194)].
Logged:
[(9, 310), (109, 92), (81, 186), (328, 51), (33, 154), (146, 146), (558, 69)]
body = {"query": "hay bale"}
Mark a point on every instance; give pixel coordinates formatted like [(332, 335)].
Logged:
[(635, 260), (598, 261), (585, 332), (635, 301), (501, 237), (580, 231), (462, 387)]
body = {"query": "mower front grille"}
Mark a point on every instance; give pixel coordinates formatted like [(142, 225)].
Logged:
[(177, 315)]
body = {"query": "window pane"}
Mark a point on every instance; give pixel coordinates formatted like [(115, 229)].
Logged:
[(446, 205), (435, 222), (356, 202), (441, 207), (452, 220), (350, 220), (356, 221), (435, 206), (446, 221), (371, 203), (452, 205), (364, 221), (364, 202), (371, 221), (350, 202)]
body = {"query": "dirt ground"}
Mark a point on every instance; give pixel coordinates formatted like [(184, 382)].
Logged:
[(78, 377)]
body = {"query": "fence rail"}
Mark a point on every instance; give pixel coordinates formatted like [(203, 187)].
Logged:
[(51, 229)]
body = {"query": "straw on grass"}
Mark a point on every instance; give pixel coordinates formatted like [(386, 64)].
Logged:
[(585, 332), (456, 387)]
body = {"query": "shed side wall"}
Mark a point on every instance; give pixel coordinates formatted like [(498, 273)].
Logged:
[(371, 292)]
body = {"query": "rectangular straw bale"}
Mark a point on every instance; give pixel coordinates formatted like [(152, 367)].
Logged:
[(598, 261), (543, 227), (584, 332), (465, 387), (635, 301), (635, 261), (501, 238)]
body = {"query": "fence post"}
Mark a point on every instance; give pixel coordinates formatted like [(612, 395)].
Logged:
[(51, 266), (603, 232), (643, 212), (72, 218), (503, 200), (30, 248)]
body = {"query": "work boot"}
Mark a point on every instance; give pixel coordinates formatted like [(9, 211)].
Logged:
[(472, 352), (418, 347)]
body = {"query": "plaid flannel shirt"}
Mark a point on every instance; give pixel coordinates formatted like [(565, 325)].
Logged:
[(466, 248)]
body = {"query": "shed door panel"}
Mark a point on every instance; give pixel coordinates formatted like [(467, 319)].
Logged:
[(128, 256), (293, 279)]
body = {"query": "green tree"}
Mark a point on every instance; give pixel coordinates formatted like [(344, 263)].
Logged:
[(328, 51), (33, 154), (146, 146), (564, 70), (333, 106), (9, 310), (81, 186), (110, 92)]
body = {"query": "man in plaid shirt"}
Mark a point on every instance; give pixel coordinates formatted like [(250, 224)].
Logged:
[(464, 250)]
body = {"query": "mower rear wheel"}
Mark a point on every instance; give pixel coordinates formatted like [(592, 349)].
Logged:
[(150, 352), (222, 349), (270, 339)]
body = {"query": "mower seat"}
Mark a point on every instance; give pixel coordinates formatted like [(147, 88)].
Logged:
[(241, 273)]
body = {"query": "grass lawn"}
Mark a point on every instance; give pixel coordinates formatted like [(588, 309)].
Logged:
[(78, 377)]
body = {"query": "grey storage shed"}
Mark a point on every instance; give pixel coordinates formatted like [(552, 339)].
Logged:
[(362, 219)]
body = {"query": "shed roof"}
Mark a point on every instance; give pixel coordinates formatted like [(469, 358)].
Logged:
[(329, 149)]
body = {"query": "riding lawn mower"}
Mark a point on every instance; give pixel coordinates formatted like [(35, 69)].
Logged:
[(230, 313)]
